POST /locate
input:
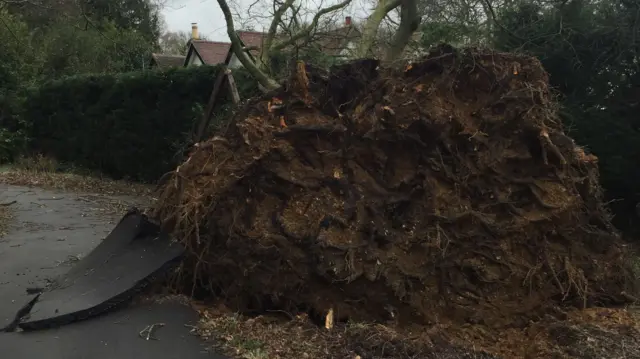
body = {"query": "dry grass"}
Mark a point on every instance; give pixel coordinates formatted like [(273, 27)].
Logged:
[(5, 219), (73, 183), (107, 196), (262, 337), (282, 336), (590, 333), (42, 171)]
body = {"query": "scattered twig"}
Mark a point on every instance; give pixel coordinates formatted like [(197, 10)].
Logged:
[(148, 331)]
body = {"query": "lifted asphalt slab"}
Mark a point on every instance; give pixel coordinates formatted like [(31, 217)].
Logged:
[(50, 231), (122, 265)]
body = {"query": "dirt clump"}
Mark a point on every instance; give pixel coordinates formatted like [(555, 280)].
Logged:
[(444, 193)]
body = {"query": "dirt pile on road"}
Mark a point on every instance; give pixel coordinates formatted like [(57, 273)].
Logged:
[(445, 192)]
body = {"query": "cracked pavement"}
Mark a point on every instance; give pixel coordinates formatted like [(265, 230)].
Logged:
[(50, 231)]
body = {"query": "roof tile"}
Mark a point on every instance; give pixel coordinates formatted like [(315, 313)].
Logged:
[(211, 52), (214, 52), (252, 39)]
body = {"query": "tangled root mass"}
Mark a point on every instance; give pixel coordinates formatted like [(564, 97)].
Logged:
[(445, 191)]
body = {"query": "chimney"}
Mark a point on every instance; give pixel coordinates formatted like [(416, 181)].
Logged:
[(347, 21), (194, 31)]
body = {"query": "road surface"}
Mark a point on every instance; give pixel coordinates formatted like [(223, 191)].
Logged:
[(49, 232)]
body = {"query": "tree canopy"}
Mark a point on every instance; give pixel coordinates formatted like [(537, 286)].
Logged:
[(91, 36), (590, 49)]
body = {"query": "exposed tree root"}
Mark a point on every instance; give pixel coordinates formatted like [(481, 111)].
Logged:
[(444, 192)]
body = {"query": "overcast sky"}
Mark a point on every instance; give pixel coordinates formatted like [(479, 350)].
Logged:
[(179, 14)]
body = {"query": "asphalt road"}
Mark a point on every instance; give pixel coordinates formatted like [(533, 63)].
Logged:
[(50, 232)]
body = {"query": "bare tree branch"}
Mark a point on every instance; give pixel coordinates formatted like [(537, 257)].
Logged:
[(372, 25), (409, 22), (273, 28), (294, 15), (494, 19), (15, 37), (267, 82), (306, 31)]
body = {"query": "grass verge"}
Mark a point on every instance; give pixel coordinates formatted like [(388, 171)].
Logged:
[(5, 219), (280, 336), (588, 333), (44, 172), (107, 196)]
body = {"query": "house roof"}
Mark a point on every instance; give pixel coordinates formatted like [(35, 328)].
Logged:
[(332, 42), (164, 61), (252, 39), (214, 52), (210, 52)]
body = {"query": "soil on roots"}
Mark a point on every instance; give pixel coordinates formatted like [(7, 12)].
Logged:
[(445, 193)]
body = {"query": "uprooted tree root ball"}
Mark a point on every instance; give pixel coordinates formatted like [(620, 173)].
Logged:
[(444, 192)]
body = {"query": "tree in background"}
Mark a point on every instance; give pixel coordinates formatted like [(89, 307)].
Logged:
[(38, 14), (288, 14), (285, 17), (46, 40), (140, 16), (590, 49), (409, 21), (67, 50), (457, 22), (174, 42), (16, 71), (88, 36)]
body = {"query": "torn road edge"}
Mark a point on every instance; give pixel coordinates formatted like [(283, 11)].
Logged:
[(23, 312), (115, 303)]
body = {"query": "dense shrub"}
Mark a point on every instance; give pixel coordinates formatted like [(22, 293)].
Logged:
[(127, 125), (16, 70)]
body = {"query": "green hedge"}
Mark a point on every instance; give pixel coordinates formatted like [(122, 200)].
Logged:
[(127, 125)]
